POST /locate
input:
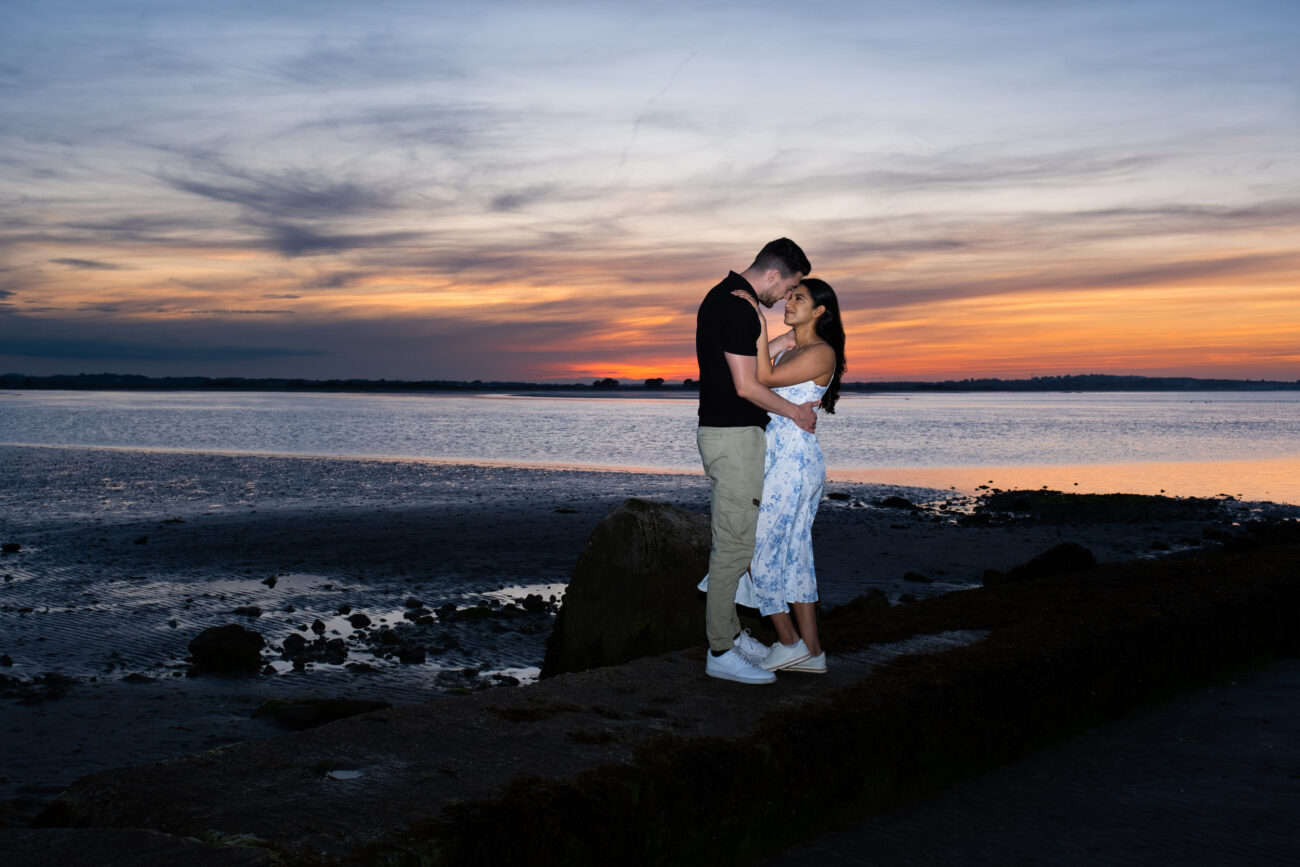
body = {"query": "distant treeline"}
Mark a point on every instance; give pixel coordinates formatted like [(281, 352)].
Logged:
[(1084, 382)]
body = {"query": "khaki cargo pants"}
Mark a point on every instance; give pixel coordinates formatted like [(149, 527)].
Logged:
[(733, 460)]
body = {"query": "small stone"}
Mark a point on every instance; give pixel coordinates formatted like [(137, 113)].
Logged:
[(358, 620), (6, 660), (143, 540), (11, 547), (318, 627), (345, 609), (411, 655), (837, 495), (917, 578), (249, 611), (270, 582), (414, 603)]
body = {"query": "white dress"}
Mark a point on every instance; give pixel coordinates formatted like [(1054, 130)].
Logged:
[(794, 474), (793, 478)]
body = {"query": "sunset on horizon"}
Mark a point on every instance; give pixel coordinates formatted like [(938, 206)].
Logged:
[(543, 192)]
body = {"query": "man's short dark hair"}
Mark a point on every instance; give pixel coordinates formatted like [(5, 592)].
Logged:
[(785, 256)]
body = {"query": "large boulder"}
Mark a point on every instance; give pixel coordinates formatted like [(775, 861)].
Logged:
[(633, 593), (1061, 559), (227, 648)]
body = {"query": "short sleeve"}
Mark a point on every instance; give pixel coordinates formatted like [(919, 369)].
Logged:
[(739, 328)]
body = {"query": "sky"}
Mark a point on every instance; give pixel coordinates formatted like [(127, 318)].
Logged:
[(535, 191)]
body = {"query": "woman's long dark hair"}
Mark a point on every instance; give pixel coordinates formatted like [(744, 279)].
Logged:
[(830, 328)]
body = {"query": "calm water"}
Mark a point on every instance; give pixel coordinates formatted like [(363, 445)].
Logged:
[(1202, 443)]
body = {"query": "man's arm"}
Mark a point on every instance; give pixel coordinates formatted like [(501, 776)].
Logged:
[(745, 378)]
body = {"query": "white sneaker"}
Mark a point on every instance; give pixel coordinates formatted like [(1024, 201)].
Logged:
[(751, 648), (781, 656), (811, 665), (732, 666)]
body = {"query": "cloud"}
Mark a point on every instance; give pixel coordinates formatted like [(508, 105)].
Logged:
[(109, 350), (87, 264)]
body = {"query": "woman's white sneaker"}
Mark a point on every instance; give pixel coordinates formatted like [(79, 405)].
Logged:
[(781, 656), (732, 666), (811, 665)]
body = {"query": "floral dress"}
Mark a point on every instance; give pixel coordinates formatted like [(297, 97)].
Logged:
[(793, 477)]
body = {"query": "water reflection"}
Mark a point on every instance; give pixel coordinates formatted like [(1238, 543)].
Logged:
[(1273, 480)]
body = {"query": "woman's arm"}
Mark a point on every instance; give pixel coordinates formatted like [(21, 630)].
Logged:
[(781, 343), (815, 362)]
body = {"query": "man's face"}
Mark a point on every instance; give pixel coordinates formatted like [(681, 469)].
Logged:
[(777, 288)]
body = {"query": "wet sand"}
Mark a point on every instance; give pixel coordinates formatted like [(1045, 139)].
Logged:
[(126, 556)]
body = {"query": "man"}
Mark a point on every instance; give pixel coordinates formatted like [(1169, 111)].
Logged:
[(732, 441)]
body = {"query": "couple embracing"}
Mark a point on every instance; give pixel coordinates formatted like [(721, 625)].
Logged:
[(757, 439)]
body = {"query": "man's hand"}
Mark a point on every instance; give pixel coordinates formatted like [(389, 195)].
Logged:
[(805, 416)]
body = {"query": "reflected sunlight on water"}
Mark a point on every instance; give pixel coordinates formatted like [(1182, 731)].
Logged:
[(1252, 481)]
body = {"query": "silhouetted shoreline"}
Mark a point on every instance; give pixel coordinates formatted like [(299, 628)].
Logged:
[(608, 386)]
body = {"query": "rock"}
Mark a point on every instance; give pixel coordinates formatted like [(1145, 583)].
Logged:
[(1061, 559), (535, 603), (414, 603), (446, 611), (270, 582), (335, 651), (837, 495), (143, 540), (6, 660), (632, 592), (873, 602), (359, 620), (411, 655), (994, 576), (294, 644), (345, 609), (917, 578), (227, 648), (249, 611), (137, 677), (414, 614), (11, 547), (318, 627), (308, 713), (896, 503)]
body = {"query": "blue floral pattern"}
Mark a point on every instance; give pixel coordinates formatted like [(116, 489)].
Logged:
[(793, 478)]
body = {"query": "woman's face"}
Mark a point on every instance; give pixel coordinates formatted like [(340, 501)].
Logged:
[(799, 307)]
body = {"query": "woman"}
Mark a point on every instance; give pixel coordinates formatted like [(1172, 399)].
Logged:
[(804, 364)]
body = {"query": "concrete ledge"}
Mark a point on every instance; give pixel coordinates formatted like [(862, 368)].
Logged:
[(652, 762)]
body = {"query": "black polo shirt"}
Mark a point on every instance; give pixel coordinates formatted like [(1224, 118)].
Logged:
[(725, 323)]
